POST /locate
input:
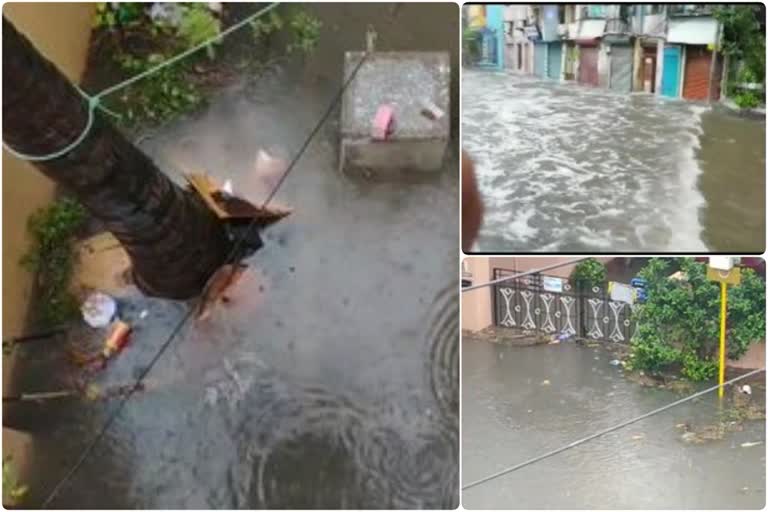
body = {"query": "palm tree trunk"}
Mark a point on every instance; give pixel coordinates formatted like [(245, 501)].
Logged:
[(174, 241)]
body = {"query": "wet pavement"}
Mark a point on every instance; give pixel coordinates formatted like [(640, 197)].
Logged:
[(510, 415), (574, 169), (331, 380)]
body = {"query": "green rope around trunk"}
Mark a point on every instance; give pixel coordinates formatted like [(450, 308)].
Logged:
[(94, 101)]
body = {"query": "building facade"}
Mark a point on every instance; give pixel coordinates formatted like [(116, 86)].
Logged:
[(670, 50)]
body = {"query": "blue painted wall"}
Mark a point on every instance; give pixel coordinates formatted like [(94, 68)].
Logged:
[(670, 78), (554, 60), (549, 22), (494, 15)]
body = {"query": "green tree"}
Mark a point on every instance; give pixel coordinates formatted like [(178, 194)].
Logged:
[(744, 42), (678, 326), (588, 273), (174, 241)]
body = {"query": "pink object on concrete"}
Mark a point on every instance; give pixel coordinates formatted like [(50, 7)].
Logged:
[(383, 123)]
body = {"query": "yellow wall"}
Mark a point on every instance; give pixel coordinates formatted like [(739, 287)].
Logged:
[(61, 32)]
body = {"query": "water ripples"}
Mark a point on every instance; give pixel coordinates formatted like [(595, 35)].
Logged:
[(564, 167)]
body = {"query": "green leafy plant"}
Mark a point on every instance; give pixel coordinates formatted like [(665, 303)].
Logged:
[(197, 25), (744, 43), (144, 35), (159, 97), (263, 28), (305, 32), (588, 273), (303, 29), (471, 45), (746, 99), (695, 368), (678, 325), (50, 257), (13, 490), (110, 15)]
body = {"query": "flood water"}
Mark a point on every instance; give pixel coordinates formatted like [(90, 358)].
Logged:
[(569, 168), (509, 416), (331, 380)]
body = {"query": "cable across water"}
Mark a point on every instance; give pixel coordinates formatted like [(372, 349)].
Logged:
[(623, 424)]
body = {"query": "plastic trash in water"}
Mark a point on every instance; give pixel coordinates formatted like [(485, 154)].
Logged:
[(615, 362), (227, 187), (431, 111), (746, 389), (98, 309), (117, 339)]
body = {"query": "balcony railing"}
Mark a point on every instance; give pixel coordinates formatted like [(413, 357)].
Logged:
[(691, 9), (609, 12), (592, 12), (616, 26)]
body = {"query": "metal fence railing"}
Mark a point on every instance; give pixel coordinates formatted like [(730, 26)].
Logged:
[(550, 305)]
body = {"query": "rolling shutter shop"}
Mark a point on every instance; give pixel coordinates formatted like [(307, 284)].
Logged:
[(539, 59), (555, 59), (621, 68), (697, 68), (588, 65)]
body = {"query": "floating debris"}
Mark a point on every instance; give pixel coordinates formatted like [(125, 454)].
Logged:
[(98, 310), (751, 444), (545, 382), (117, 339)]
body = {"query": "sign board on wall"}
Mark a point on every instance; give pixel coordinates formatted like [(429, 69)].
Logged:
[(552, 284), (621, 292), (531, 32)]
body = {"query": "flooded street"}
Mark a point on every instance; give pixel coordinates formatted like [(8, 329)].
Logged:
[(511, 414), (331, 379), (568, 168)]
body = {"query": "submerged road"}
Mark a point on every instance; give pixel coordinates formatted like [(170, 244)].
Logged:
[(569, 168)]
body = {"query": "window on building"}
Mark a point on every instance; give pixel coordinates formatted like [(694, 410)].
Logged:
[(595, 11)]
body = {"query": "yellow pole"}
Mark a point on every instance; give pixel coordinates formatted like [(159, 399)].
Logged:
[(723, 302)]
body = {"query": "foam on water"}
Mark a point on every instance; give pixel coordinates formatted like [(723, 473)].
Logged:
[(563, 167)]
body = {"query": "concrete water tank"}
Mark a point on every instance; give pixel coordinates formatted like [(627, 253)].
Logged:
[(416, 86)]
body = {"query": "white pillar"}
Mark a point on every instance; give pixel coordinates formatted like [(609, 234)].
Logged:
[(659, 64)]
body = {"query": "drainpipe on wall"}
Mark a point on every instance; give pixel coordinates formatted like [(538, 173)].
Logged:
[(563, 58), (659, 64), (713, 64), (683, 61)]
